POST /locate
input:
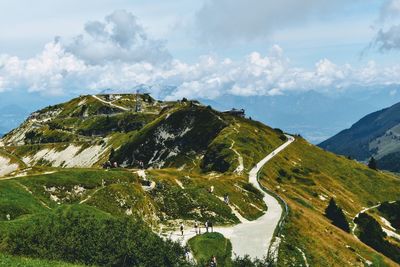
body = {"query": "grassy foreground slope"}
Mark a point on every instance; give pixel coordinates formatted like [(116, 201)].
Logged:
[(14, 261), (307, 177)]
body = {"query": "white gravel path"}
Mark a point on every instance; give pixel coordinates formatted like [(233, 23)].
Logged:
[(358, 214), (251, 238), (109, 103)]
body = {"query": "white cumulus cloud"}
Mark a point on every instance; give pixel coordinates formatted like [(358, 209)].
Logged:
[(116, 53), (118, 38), (55, 71)]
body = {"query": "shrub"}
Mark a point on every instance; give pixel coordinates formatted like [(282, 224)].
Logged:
[(372, 164), (246, 261), (371, 234)]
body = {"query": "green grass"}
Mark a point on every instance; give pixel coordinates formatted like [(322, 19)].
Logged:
[(251, 139), (122, 192), (195, 202), (304, 175), (211, 244), (16, 201), (15, 261)]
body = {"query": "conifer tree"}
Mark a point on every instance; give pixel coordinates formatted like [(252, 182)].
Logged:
[(336, 215), (372, 164)]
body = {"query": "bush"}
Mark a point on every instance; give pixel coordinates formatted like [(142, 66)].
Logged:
[(372, 164), (246, 261), (371, 234), (391, 211), (80, 234), (336, 215)]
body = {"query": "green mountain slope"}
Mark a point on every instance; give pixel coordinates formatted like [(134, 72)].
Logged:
[(306, 177), (186, 149), (377, 134)]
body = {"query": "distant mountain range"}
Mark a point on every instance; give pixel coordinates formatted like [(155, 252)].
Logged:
[(15, 106), (315, 115), (375, 135)]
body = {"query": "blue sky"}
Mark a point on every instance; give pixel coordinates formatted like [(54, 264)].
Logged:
[(199, 47)]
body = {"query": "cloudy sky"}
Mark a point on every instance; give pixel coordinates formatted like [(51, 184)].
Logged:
[(204, 48)]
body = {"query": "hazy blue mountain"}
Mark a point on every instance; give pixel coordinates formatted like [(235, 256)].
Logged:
[(377, 135), (15, 107)]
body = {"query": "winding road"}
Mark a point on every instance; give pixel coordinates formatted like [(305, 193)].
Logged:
[(251, 238)]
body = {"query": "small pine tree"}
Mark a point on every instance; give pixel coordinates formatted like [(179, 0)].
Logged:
[(336, 215), (372, 164)]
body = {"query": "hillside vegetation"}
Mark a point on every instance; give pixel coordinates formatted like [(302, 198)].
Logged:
[(94, 169), (307, 177)]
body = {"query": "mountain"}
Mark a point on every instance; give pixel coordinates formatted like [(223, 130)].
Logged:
[(376, 135), (313, 114), (120, 172), (303, 112)]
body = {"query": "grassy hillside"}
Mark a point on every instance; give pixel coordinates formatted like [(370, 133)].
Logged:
[(199, 138), (307, 177), (186, 149)]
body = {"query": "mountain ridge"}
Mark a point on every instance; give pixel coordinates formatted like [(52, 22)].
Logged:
[(375, 135)]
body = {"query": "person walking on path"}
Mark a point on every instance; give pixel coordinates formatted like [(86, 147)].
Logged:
[(196, 227), (187, 253), (181, 228), (226, 199), (213, 261), (211, 189), (206, 225)]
